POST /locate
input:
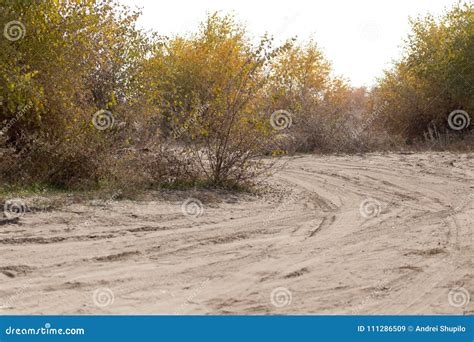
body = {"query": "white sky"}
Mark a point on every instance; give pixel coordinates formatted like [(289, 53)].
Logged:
[(359, 37)]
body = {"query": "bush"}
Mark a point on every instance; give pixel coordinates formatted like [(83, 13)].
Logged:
[(433, 79), (210, 87), (87, 99), (70, 60)]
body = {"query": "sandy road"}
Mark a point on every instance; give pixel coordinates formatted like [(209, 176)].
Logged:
[(375, 234)]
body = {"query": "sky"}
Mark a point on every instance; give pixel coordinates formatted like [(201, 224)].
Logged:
[(361, 38)]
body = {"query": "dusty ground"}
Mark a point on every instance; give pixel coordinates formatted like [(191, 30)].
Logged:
[(306, 249)]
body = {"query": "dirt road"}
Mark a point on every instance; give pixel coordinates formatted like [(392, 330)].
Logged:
[(375, 234)]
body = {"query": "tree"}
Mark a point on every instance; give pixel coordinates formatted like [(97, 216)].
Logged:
[(434, 76), (318, 103), (61, 62), (210, 88)]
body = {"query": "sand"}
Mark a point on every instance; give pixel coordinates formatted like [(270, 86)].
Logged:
[(373, 234)]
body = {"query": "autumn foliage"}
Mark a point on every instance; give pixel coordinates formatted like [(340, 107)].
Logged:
[(432, 79), (87, 98)]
